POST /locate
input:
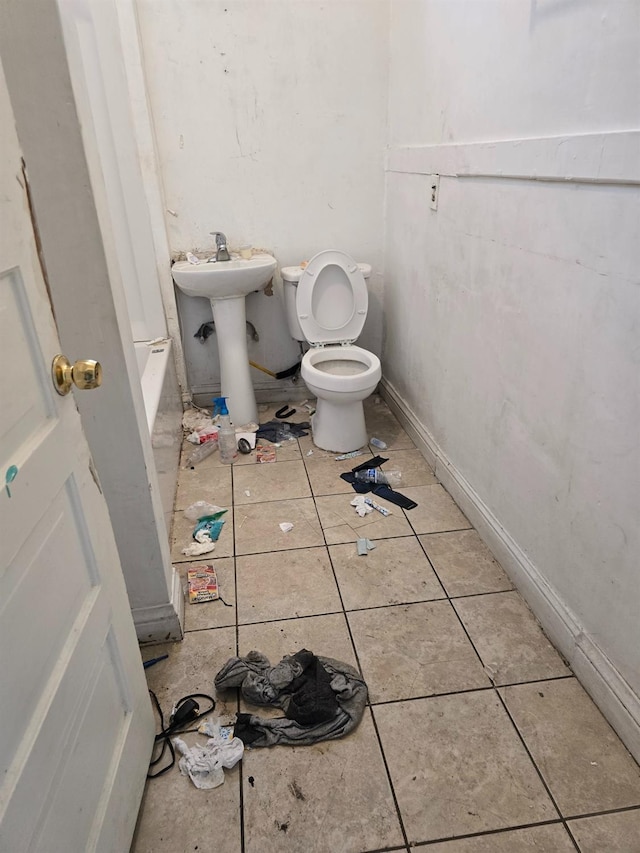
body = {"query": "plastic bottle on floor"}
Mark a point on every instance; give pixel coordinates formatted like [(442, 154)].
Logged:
[(202, 451), (226, 434), (381, 478)]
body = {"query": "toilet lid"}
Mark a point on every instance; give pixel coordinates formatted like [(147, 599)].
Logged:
[(332, 299)]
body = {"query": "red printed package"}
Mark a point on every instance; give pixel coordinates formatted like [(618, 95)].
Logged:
[(203, 584)]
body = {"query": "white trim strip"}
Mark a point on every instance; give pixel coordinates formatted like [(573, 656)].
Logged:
[(604, 158)]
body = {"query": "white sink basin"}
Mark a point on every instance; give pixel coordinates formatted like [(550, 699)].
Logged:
[(224, 279)]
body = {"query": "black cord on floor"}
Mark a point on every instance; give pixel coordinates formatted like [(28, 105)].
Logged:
[(185, 712)]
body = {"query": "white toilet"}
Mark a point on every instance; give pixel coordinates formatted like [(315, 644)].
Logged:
[(326, 305)]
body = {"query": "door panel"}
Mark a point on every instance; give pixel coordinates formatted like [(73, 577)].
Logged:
[(77, 726)]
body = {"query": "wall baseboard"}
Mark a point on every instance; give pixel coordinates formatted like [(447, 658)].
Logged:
[(162, 623), (597, 674)]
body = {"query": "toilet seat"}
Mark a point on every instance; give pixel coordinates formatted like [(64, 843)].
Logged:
[(332, 299), (332, 376)]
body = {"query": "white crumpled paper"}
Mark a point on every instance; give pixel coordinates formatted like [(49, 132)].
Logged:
[(361, 507), (195, 549), (204, 765)]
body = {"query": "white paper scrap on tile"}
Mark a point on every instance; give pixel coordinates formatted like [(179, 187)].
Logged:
[(198, 548), (286, 526), (362, 508)]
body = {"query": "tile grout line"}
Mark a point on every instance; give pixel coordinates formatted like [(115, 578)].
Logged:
[(604, 812), (539, 772), (515, 727), (237, 632), (372, 716), (389, 779), (488, 833), (469, 690)]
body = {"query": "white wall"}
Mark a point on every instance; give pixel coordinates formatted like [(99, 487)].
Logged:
[(270, 122), (512, 313)]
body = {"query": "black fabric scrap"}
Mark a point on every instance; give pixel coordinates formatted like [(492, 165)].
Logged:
[(378, 489), (312, 699), (328, 694), (273, 430), (204, 331)]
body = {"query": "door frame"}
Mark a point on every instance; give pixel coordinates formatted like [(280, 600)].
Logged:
[(69, 212)]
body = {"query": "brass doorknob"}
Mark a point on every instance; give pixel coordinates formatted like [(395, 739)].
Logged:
[(84, 374)]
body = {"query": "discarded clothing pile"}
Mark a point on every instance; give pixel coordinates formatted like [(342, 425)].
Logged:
[(380, 490), (321, 697), (274, 430)]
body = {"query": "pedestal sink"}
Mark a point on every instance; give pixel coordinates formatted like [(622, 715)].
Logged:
[(226, 283)]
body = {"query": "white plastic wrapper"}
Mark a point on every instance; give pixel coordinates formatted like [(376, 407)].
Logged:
[(200, 509)]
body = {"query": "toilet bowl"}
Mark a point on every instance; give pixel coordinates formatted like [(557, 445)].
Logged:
[(326, 305)]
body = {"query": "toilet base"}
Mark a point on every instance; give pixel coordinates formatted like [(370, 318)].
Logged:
[(339, 427)]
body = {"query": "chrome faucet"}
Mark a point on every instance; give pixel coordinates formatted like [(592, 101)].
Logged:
[(222, 253)]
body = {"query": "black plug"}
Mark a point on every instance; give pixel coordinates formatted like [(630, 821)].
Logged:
[(184, 713)]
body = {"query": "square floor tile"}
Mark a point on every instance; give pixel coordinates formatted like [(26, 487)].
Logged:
[(284, 584), (396, 571), (613, 833), (414, 468), (211, 614), (267, 481), (174, 815), (458, 766), (535, 839), (324, 474), (414, 650), (436, 511), (204, 483), (383, 424), (508, 638), (286, 451), (341, 523), (191, 667), (182, 536), (309, 450), (258, 526), (326, 636), (464, 563), (333, 796), (579, 755)]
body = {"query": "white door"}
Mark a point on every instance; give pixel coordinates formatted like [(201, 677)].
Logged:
[(76, 725)]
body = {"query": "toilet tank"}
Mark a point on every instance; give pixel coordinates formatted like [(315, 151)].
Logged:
[(290, 278)]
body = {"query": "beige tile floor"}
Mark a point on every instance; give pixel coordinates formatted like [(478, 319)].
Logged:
[(477, 738)]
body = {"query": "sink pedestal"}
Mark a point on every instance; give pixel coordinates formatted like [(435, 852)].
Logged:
[(226, 283), (229, 315)]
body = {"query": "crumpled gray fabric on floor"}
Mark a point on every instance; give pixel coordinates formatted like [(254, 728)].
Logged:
[(282, 686)]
